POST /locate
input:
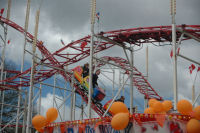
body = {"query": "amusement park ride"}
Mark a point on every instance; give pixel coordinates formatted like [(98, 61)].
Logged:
[(56, 62)]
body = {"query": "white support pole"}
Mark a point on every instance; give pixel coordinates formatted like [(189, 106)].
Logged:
[(147, 75), (93, 13), (54, 89), (3, 55), (40, 96), (113, 83), (173, 12), (82, 109), (123, 83), (72, 94), (118, 92), (120, 80), (64, 101), (22, 63), (25, 112), (74, 105), (131, 81), (2, 101), (28, 126)]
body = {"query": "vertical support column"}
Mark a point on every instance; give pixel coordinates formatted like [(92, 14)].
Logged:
[(3, 56), (113, 83), (120, 80), (93, 13), (28, 126), (40, 95), (74, 105), (131, 82), (2, 100), (65, 92), (193, 93), (82, 110), (147, 75), (25, 112), (123, 83), (173, 12), (54, 89), (72, 101), (64, 101), (22, 63)]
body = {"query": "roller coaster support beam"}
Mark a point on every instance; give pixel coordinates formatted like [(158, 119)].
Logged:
[(113, 42), (111, 63), (147, 74), (72, 101), (3, 57), (118, 92), (25, 112), (184, 57), (93, 13), (131, 81), (174, 45), (188, 34), (22, 63), (28, 128)]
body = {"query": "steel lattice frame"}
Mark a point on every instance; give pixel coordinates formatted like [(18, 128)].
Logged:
[(125, 37)]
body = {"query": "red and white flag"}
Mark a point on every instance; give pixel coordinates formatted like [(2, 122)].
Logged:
[(198, 69), (191, 68)]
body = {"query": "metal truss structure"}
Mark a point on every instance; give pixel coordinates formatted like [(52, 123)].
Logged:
[(55, 63)]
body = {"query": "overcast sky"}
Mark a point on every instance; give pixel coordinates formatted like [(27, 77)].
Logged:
[(70, 20)]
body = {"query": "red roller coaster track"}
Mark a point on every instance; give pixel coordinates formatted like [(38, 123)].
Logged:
[(126, 37)]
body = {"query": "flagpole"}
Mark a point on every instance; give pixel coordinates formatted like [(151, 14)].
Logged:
[(93, 10), (173, 12)]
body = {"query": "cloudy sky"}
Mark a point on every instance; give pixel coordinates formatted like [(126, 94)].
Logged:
[(70, 20)]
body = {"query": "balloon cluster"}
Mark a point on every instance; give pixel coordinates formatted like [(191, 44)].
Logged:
[(39, 121), (120, 114), (184, 107), (157, 107)]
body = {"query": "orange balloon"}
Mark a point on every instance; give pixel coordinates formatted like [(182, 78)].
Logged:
[(120, 121), (151, 102), (51, 114), (39, 121), (158, 107), (197, 112), (184, 107), (167, 105), (118, 107), (193, 126), (149, 110)]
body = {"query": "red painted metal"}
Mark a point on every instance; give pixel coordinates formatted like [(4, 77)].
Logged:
[(138, 79), (61, 58)]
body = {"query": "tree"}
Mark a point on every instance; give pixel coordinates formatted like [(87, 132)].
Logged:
[(10, 98)]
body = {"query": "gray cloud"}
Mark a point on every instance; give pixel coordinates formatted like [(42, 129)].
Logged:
[(69, 19)]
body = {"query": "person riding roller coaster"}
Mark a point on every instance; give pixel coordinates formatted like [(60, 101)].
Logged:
[(95, 78), (85, 70), (121, 99)]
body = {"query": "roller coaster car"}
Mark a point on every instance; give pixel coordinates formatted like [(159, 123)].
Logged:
[(98, 94), (107, 105)]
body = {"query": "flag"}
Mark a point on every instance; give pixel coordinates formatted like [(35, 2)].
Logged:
[(198, 69), (8, 42), (98, 15), (83, 44), (2, 10), (191, 68), (171, 53), (62, 42), (178, 50)]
